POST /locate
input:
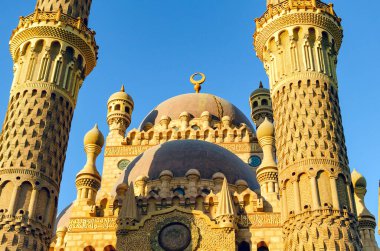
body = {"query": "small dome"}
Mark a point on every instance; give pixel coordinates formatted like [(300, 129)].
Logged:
[(166, 173), (193, 172), (205, 114), (358, 179), (184, 114), (260, 90), (62, 229), (120, 95), (241, 183), (195, 104), (180, 157), (218, 175), (122, 186), (265, 129), (94, 136)]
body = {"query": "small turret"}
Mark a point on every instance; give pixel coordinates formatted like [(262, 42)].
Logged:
[(261, 105), (267, 172), (88, 179), (225, 213), (128, 214), (367, 222), (120, 107)]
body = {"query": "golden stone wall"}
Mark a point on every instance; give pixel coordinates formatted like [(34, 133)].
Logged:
[(50, 64), (298, 42)]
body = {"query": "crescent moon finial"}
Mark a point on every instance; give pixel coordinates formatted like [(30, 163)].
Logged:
[(197, 83)]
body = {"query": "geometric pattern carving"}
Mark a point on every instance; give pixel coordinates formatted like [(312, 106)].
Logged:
[(301, 64), (308, 123), (36, 128), (31, 136)]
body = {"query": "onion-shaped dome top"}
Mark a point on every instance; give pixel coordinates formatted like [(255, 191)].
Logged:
[(195, 104), (121, 95), (94, 136), (265, 129), (358, 179), (181, 156), (260, 90)]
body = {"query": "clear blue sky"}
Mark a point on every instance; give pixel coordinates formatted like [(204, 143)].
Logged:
[(154, 46)]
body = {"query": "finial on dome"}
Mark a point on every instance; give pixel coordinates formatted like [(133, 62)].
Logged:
[(261, 85), (358, 180), (122, 88), (94, 136), (266, 129), (197, 83)]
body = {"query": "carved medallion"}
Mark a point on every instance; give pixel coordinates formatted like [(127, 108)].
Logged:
[(174, 237)]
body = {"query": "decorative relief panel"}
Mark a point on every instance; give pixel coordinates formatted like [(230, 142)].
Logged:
[(117, 151), (92, 224), (205, 234), (259, 220)]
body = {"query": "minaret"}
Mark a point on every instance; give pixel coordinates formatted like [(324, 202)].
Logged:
[(53, 51), (88, 179), (120, 108), (298, 42), (261, 105), (119, 112), (267, 172), (367, 222)]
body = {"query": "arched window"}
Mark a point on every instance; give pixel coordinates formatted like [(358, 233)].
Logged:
[(262, 246), (23, 197), (89, 248), (127, 109), (179, 190), (262, 249), (117, 107), (109, 248), (244, 246), (255, 104), (5, 190), (264, 102)]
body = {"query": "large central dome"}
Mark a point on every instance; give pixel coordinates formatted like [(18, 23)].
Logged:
[(195, 104), (179, 156)]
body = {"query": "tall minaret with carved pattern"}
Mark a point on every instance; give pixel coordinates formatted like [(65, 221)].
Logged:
[(298, 42), (53, 51)]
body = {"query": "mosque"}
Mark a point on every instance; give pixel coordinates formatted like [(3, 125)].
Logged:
[(197, 174)]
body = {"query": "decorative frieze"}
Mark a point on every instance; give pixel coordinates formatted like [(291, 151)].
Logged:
[(259, 220), (92, 224), (118, 151)]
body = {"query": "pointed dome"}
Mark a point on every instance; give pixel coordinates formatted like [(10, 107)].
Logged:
[(226, 205), (265, 129), (121, 95), (94, 136), (358, 179)]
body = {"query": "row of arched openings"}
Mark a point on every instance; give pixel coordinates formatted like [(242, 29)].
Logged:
[(263, 102), (49, 65), (107, 248), (245, 246)]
